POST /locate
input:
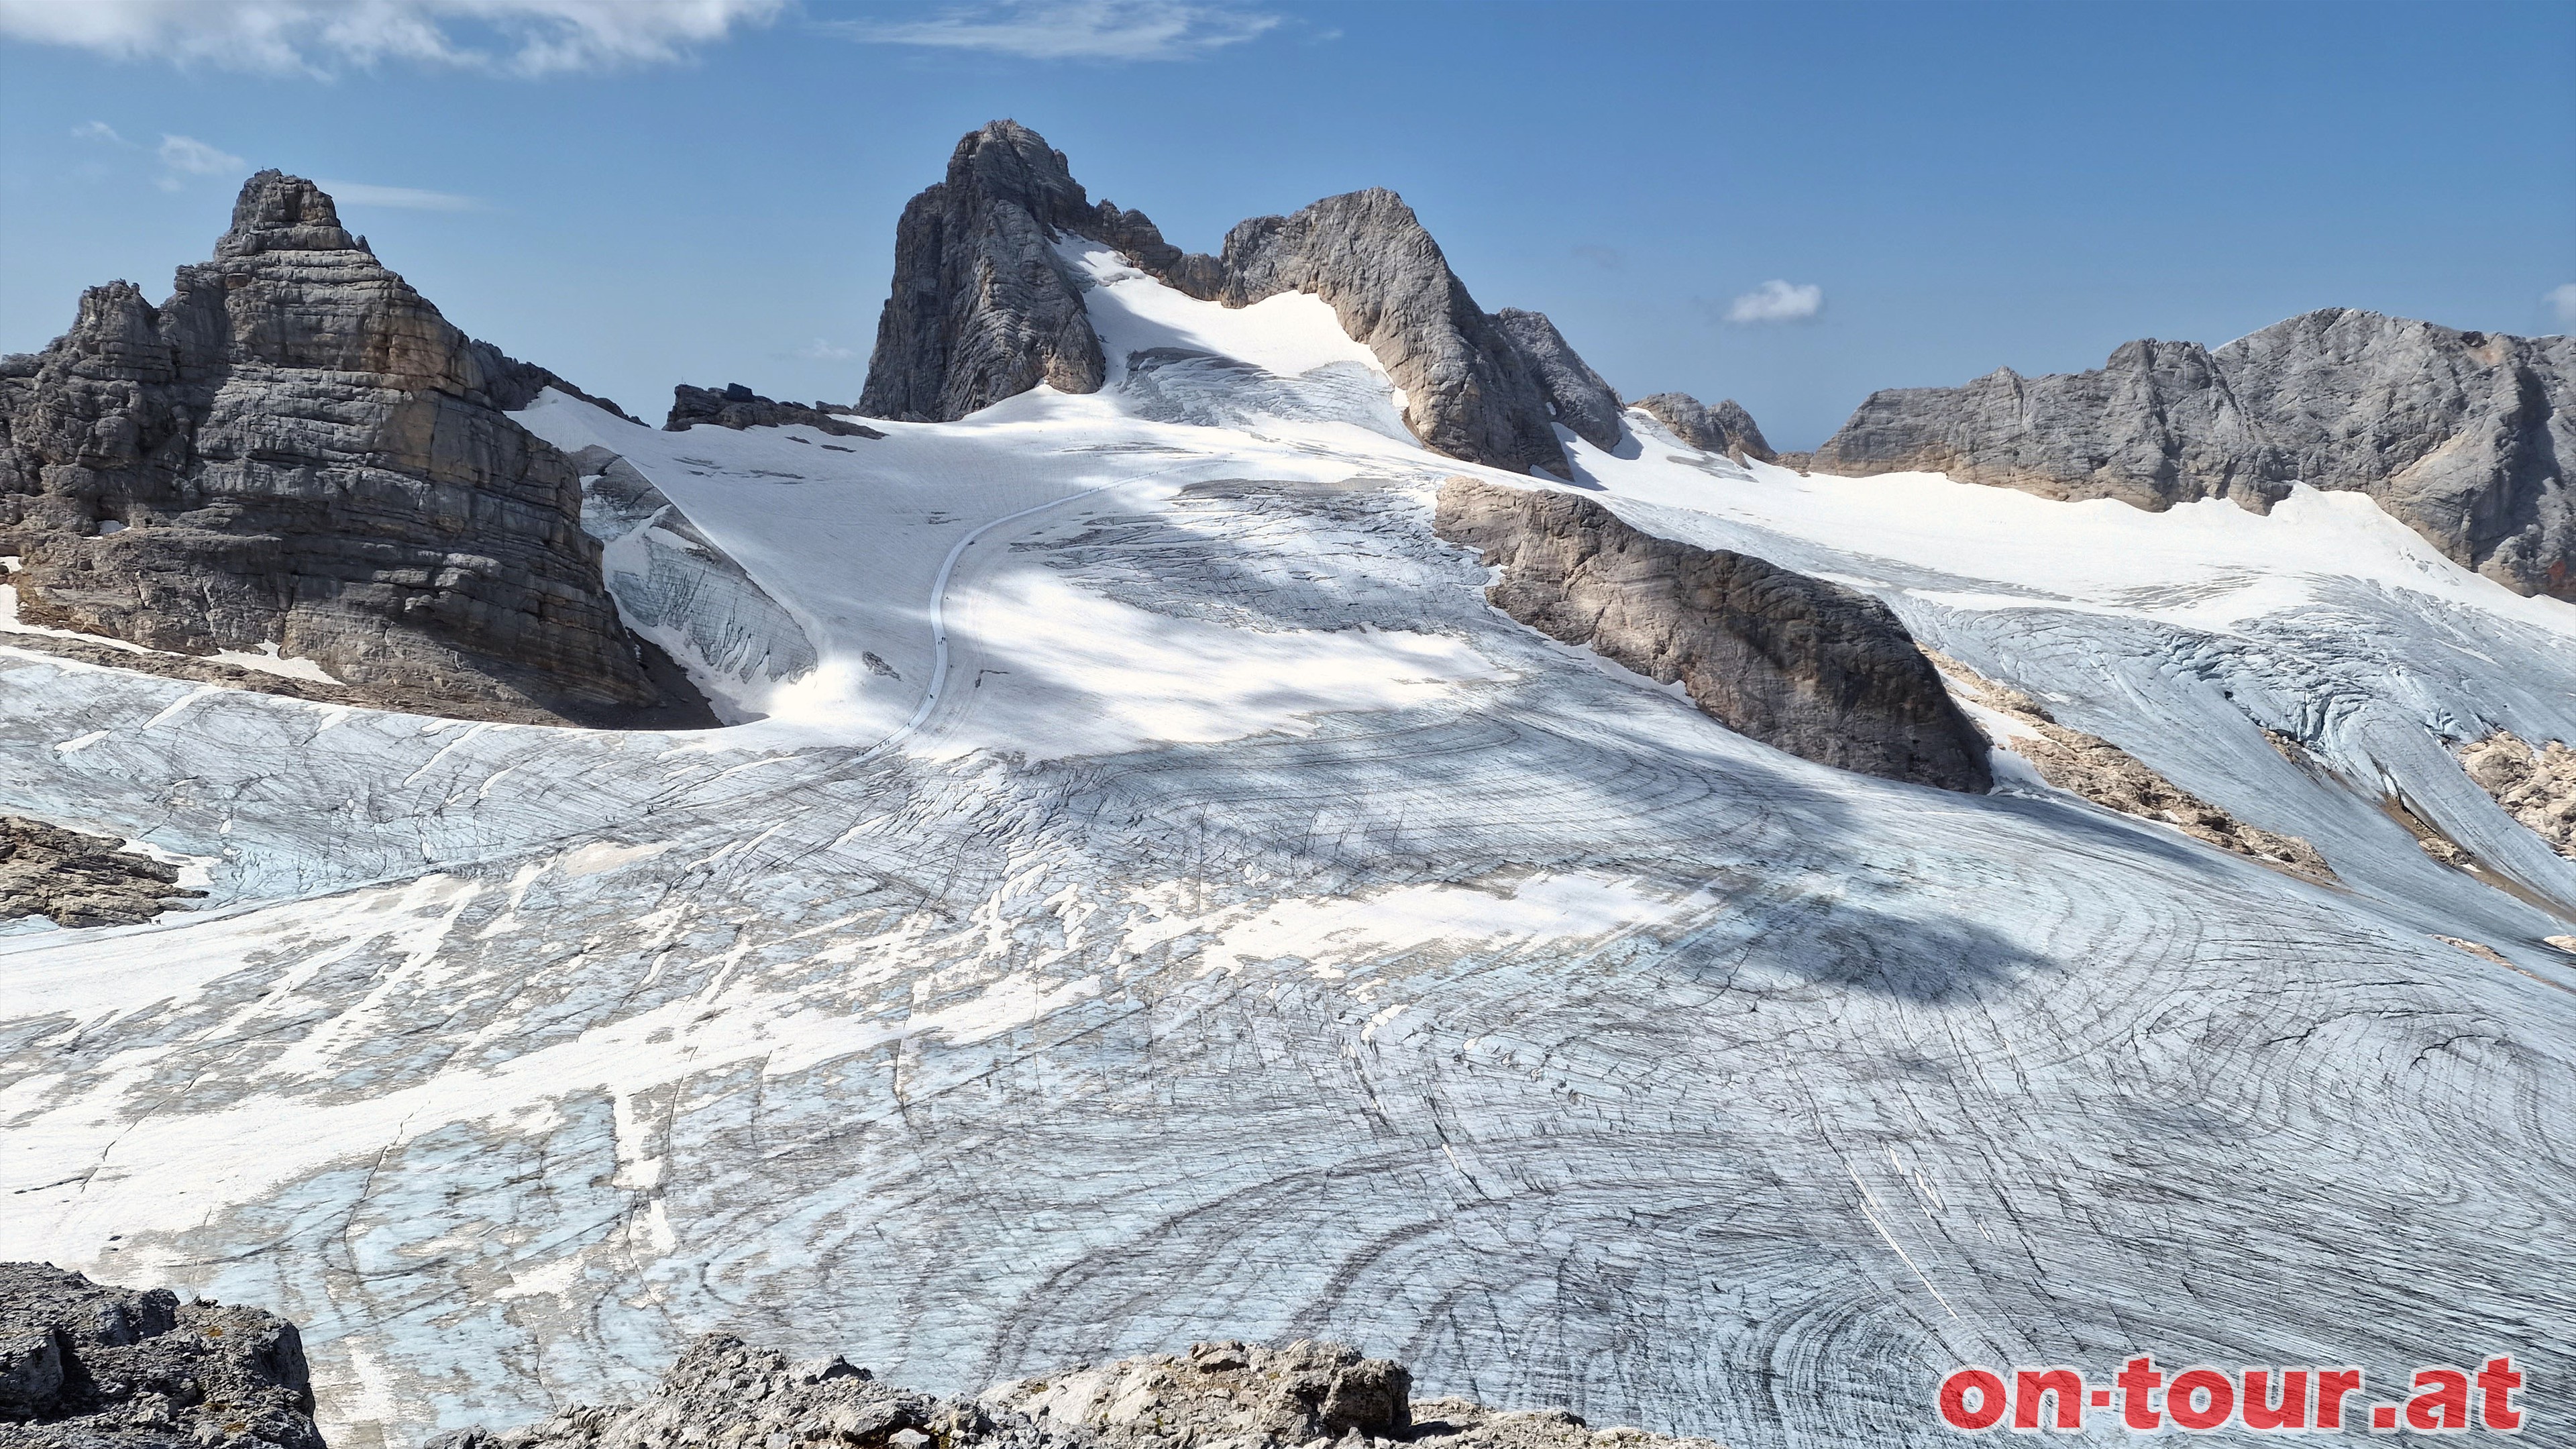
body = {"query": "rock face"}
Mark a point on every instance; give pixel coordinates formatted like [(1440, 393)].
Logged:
[(2464, 436), (738, 407), (2111, 777), (1726, 428), (2536, 786), (1217, 1396), (1581, 401), (1795, 662), (74, 879), (82, 1364), (983, 308), (297, 449)]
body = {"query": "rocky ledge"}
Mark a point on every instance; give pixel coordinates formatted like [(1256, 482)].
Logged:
[(1725, 429), (2465, 437), (2111, 777), (2535, 784), (983, 308), (738, 407), (73, 879), (297, 454), (1800, 664), (1233, 1395), (86, 1366)]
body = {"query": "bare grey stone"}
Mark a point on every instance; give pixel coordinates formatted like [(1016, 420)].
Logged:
[(74, 879), (2463, 436), (983, 309), (1726, 428), (738, 407), (298, 449), (1800, 664), (88, 1366), (1581, 401)]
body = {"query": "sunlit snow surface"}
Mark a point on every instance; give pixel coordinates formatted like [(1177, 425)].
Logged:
[(1257, 936)]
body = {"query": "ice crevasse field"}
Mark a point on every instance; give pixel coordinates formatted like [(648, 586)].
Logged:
[(1144, 893)]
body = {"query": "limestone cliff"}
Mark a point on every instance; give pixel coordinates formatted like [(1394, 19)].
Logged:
[(2466, 437), (1726, 428), (297, 450), (1800, 664), (982, 308)]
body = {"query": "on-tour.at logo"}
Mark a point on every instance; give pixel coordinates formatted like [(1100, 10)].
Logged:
[(2442, 1399)]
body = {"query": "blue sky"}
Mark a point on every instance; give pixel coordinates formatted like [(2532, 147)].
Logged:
[(1787, 204)]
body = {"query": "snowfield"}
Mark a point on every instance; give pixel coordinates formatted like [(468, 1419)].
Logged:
[(1205, 917)]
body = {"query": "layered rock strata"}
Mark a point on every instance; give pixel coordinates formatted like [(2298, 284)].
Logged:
[(2114, 779), (2535, 784), (1726, 428), (84, 1365), (738, 407), (74, 879), (1216, 1396), (2466, 437), (1806, 666), (297, 451), (984, 308)]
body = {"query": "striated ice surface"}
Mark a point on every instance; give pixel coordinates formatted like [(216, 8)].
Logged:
[(1215, 921)]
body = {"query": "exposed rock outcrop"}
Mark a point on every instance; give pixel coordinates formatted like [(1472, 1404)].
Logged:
[(738, 407), (2535, 785), (983, 308), (83, 1364), (2111, 777), (1216, 1396), (1726, 428), (1803, 665), (2466, 437), (297, 450), (75, 879), (1581, 401)]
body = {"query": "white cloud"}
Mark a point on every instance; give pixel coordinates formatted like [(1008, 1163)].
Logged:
[(1777, 301), (820, 350), (359, 193), (98, 131), (2562, 300), (190, 156), (1076, 29), (517, 37)]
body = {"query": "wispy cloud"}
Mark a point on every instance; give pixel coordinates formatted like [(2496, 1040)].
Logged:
[(99, 131), (1100, 30), (2562, 300), (359, 193), (820, 350), (1777, 301), (512, 37), (186, 156)]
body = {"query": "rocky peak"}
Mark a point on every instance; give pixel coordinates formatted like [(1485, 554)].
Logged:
[(281, 213), (982, 309), (1726, 428), (297, 450), (1576, 395)]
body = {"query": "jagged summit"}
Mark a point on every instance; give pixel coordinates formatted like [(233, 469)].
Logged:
[(982, 307), (1726, 428), (2463, 436), (297, 455)]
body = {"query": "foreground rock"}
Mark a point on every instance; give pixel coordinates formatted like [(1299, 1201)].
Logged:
[(1576, 395), (1234, 1395), (2466, 437), (2111, 777), (83, 1364), (1726, 428), (296, 450), (983, 308), (73, 879), (2535, 785), (1800, 664), (738, 407)]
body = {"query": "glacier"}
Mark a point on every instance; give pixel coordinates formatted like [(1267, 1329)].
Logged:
[(1149, 895)]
